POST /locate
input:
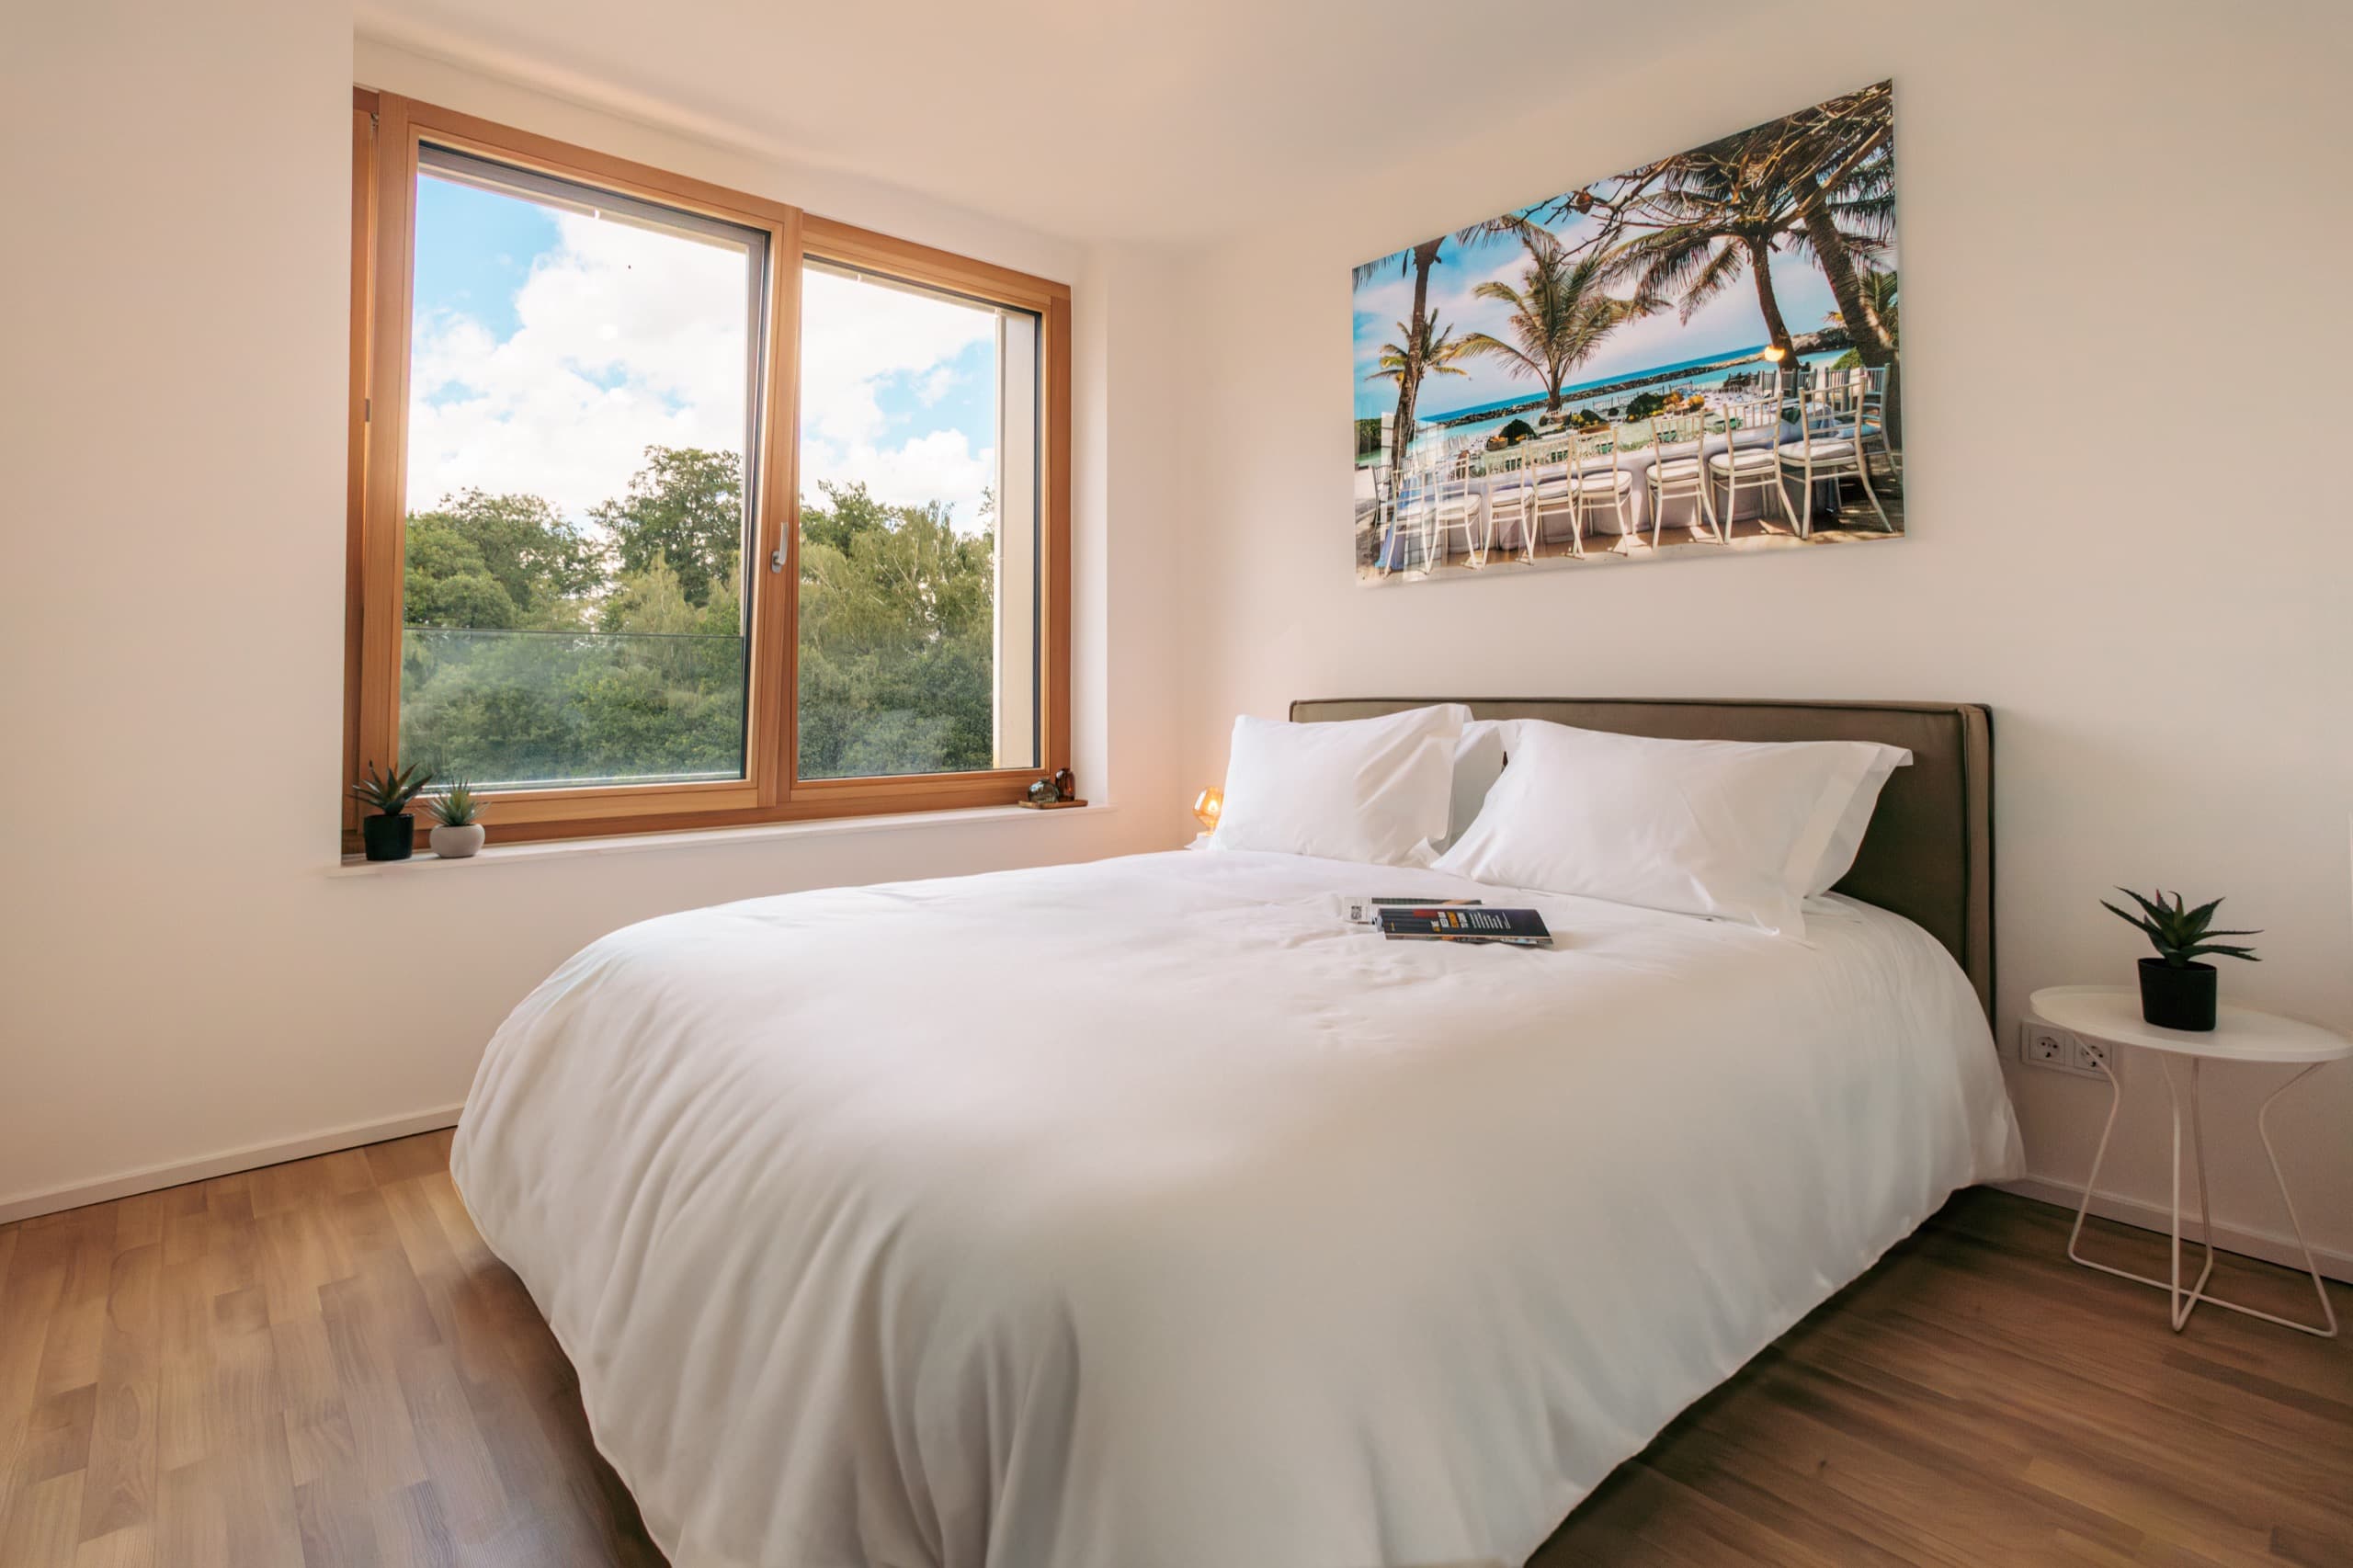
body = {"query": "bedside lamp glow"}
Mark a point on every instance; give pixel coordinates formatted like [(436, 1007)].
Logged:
[(1206, 805)]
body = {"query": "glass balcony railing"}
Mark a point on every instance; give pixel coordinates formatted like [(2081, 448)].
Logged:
[(555, 709)]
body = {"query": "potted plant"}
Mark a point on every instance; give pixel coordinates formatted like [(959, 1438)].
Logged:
[(457, 830), (2176, 993), (390, 834)]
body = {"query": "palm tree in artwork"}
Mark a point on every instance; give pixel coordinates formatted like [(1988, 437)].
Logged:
[(1423, 348), (1560, 313), (1836, 163), (1706, 226), (1407, 371), (1819, 183), (1879, 296), (1417, 261)]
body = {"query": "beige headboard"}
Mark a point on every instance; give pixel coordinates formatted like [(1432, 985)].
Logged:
[(1929, 853)]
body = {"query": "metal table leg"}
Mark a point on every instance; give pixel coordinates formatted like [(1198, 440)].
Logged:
[(2181, 1302)]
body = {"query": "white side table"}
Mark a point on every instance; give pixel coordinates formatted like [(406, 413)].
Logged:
[(2110, 1015)]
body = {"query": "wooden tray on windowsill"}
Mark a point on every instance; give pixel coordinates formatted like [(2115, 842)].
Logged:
[(1050, 805)]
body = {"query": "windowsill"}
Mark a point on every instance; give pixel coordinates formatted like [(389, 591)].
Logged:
[(632, 843)]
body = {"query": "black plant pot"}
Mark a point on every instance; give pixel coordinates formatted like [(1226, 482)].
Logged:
[(394, 838), (2179, 998)]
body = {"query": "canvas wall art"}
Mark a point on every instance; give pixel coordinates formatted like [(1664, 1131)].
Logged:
[(1694, 358)]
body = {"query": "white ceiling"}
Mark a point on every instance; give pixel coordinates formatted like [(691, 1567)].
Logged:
[(1170, 121)]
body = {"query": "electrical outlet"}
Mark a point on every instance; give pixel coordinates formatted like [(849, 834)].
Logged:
[(2046, 1045), (2039, 1045)]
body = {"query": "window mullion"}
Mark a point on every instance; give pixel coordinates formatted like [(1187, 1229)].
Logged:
[(775, 594)]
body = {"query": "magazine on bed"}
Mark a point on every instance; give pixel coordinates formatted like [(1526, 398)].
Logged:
[(1367, 911), (1458, 923)]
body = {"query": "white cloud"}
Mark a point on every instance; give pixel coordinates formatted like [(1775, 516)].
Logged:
[(860, 341), (629, 338), (941, 466)]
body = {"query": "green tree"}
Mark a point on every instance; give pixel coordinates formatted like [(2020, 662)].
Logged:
[(499, 562), (897, 625), (684, 508), (530, 657)]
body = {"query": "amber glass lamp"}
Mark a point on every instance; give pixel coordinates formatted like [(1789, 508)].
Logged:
[(1206, 805)]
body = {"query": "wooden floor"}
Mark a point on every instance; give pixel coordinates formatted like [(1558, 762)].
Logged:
[(320, 1363)]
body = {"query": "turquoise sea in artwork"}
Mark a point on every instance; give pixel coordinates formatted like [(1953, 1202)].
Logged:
[(1482, 420)]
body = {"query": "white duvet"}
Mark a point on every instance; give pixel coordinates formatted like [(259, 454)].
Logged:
[(1145, 1213)]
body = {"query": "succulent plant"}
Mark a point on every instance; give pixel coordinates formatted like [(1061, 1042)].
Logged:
[(454, 806), (389, 794), (2180, 935)]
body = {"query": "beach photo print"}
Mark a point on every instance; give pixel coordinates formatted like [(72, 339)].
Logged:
[(1697, 357)]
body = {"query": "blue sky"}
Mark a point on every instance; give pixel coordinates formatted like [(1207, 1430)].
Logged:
[(550, 348), (474, 248), (1731, 322)]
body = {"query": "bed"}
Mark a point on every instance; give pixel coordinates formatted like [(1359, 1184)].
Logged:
[(1147, 1212)]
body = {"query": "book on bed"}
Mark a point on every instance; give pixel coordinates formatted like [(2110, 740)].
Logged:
[(1367, 911), (1460, 922)]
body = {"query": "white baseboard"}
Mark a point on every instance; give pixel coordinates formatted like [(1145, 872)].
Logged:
[(150, 1178), (2266, 1245)]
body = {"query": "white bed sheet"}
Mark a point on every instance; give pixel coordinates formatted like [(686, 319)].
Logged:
[(1146, 1214)]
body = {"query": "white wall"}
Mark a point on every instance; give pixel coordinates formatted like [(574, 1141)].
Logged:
[(183, 971), (2123, 233)]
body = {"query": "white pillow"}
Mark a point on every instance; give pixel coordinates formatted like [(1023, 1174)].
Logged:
[(1838, 855), (1732, 829), (1479, 759), (1369, 789)]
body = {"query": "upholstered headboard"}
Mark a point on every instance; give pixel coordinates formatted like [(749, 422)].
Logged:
[(1929, 853)]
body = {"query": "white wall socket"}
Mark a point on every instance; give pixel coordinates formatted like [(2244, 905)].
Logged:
[(2044, 1045), (2039, 1045)]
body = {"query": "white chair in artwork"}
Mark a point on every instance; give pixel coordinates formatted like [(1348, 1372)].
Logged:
[(1549, 492), (1745, 463), (1405, 500), (1455, 510), (1678, 474), (1870, 419), (1511, 488), (1587, 476), (1397, 521), (1593, 479), (1828, 448)]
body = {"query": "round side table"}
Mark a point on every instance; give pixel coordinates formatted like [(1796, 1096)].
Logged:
[(2110, 1015)]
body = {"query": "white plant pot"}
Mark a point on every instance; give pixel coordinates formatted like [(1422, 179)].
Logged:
[(456, 843)]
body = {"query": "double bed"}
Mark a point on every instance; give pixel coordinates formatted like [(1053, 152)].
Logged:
[(1150, 1212)]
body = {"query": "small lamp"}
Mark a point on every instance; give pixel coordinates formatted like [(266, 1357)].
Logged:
[(1206, 805)]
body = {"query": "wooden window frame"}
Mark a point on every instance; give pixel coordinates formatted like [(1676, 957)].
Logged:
[(387, 131)]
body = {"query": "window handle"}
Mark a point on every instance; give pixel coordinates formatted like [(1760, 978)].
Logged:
[(775, 559)]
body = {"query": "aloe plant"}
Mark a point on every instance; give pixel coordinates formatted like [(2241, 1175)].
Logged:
[(454, 806), (2180, 933), (389, 794)]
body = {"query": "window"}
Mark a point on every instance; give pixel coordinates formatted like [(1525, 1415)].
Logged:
[(673, 507), (918, 625)]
